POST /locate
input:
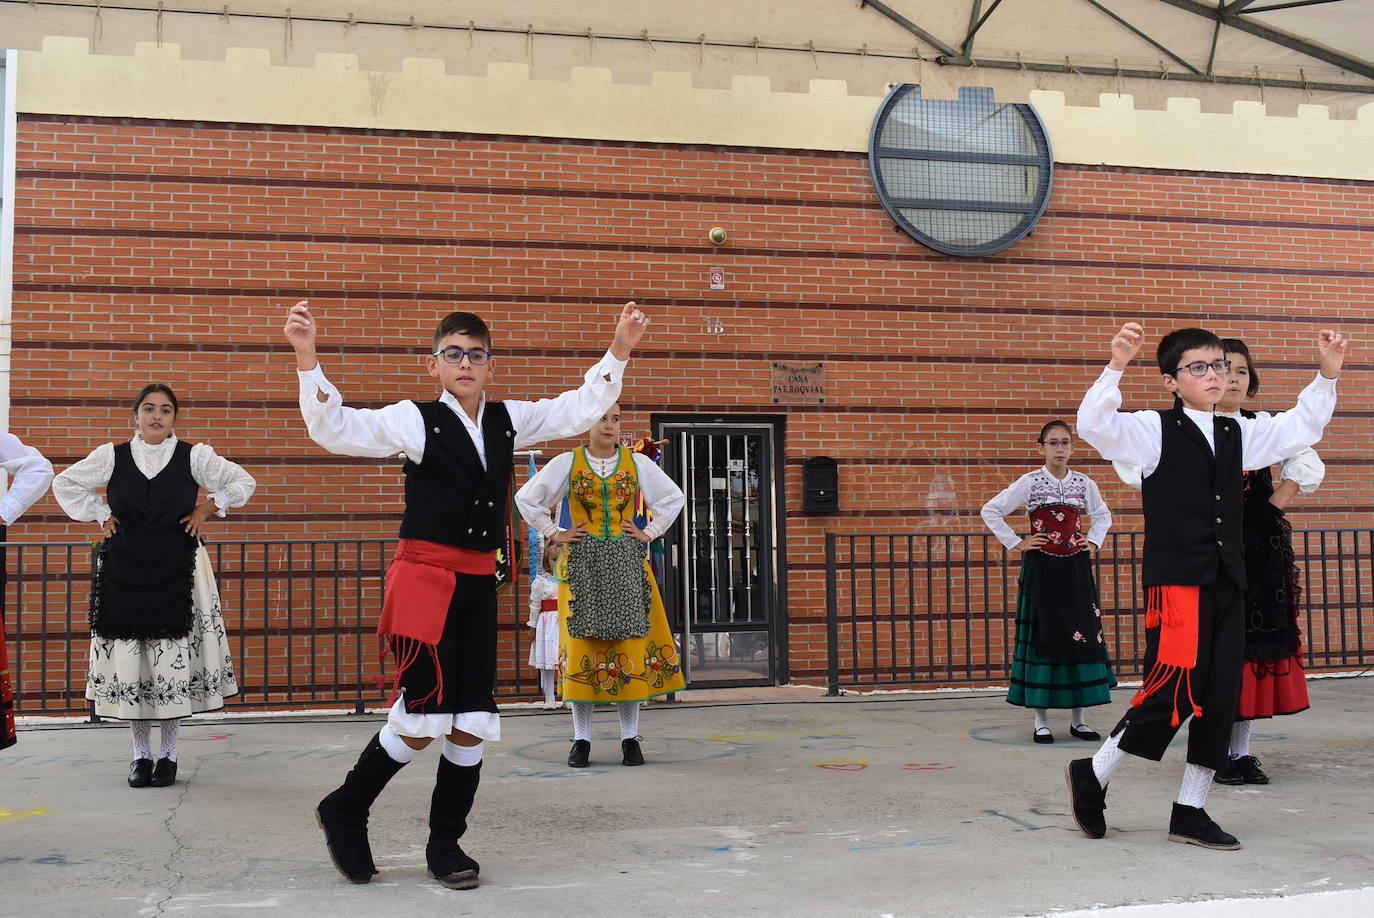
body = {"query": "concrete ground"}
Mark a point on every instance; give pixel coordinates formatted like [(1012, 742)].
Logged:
[(775, 803)]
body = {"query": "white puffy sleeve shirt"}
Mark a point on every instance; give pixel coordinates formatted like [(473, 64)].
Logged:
[(77, 488), (550, 485), (1038, 489), (398, 428), (30, 474)]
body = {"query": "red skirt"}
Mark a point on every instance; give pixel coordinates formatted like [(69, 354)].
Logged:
[(1270, 687)]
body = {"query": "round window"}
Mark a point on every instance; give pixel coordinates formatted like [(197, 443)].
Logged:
[(966, 176)]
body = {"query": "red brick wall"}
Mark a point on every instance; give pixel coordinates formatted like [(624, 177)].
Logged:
[(169, 251)]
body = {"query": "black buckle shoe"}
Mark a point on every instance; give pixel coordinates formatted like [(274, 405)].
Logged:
[(631, 754), (1190, 825), (140, 772), (1084, 732), (580, 753), (164, 773), (1228, 774), (1046, 737), (1088, 798), (1249, 769)]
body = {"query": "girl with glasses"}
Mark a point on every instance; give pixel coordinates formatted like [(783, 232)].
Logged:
[(159, 652), (1060, 658)]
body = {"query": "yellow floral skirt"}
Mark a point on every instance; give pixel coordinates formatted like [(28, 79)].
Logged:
[(632, 669)]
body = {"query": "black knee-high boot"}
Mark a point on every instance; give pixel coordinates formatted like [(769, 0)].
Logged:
[(343, 814), (455, 786)]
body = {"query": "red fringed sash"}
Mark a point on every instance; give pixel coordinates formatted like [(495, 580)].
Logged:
[(1173, 609), (419, 588)]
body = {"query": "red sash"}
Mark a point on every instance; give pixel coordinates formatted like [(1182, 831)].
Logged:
[(1173, 609), (419, 588)]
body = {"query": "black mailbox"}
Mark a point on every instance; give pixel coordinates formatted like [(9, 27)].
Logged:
[(820, 485)]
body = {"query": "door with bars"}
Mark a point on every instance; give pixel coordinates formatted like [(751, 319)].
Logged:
[(720, 586)]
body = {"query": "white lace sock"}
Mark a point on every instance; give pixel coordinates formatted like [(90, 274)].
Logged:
[(1076, 718), (171, 729), (1197, 780), (141, 730), (548, 681), (396, 748), (1107, 758), (582, 720), (629, 719), (1240, 739), (1042, 718)]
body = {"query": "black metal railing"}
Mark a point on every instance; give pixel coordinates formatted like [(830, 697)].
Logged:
[(301, 617), (939, 609)]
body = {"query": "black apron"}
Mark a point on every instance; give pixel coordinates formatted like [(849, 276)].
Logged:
[(144, 572)]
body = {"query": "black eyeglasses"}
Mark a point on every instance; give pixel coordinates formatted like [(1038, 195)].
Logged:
[(454, 354), (1200, 367)]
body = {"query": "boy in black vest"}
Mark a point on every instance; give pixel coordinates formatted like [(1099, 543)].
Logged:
[(439, 612), (1194, 569)]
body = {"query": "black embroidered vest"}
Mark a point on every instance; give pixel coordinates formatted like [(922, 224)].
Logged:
[(450, 498), (1193, 504)]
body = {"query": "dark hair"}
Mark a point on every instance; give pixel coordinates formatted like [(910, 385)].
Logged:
[(1173, 345), (468, 324), (1051, 426), (1237, 346), (156, 387)]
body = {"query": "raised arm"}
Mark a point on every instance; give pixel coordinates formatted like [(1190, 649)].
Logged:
[(30, 475), (1117, 435), (1266, 440), (575, 411), (375, 433)]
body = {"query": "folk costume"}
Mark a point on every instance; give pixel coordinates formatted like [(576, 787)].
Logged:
[(1060, 658), (1273, 680), (1194, 575), (614, 640), (544, 620), (159, 651), (439, 611), (30, 474)]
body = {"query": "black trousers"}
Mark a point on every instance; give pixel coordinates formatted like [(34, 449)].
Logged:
[(466, 654), (1147, 729)]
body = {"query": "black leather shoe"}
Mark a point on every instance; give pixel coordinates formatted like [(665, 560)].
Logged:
[(140, 772), (1046, 737), (1089, 799), (580, 753), (630, 752), (1228, 774), (1084, 732), (1249, 769), (1191, 825), (164, 773)]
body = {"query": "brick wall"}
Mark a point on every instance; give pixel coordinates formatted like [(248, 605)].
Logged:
[(168, 251)]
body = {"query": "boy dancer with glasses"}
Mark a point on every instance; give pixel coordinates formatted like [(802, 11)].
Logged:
[(439, 612), (1194, 568)]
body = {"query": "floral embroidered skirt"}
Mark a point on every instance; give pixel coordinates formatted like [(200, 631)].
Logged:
[(630, 669), (132, 679), (1039, 681)]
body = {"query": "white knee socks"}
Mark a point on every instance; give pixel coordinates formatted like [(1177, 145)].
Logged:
[(171, 729), (466, 756), (548, 681), (1107, 758), (629, 719), (1240, 739), (1197, 780), (582, 720), (396, 748), (1076, 718), (1042, 718), (141, 730)]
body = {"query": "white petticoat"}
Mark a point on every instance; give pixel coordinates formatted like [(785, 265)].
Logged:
[(544, 649), (481, 724)]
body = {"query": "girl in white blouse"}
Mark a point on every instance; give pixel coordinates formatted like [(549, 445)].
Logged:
[(158, 645)]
